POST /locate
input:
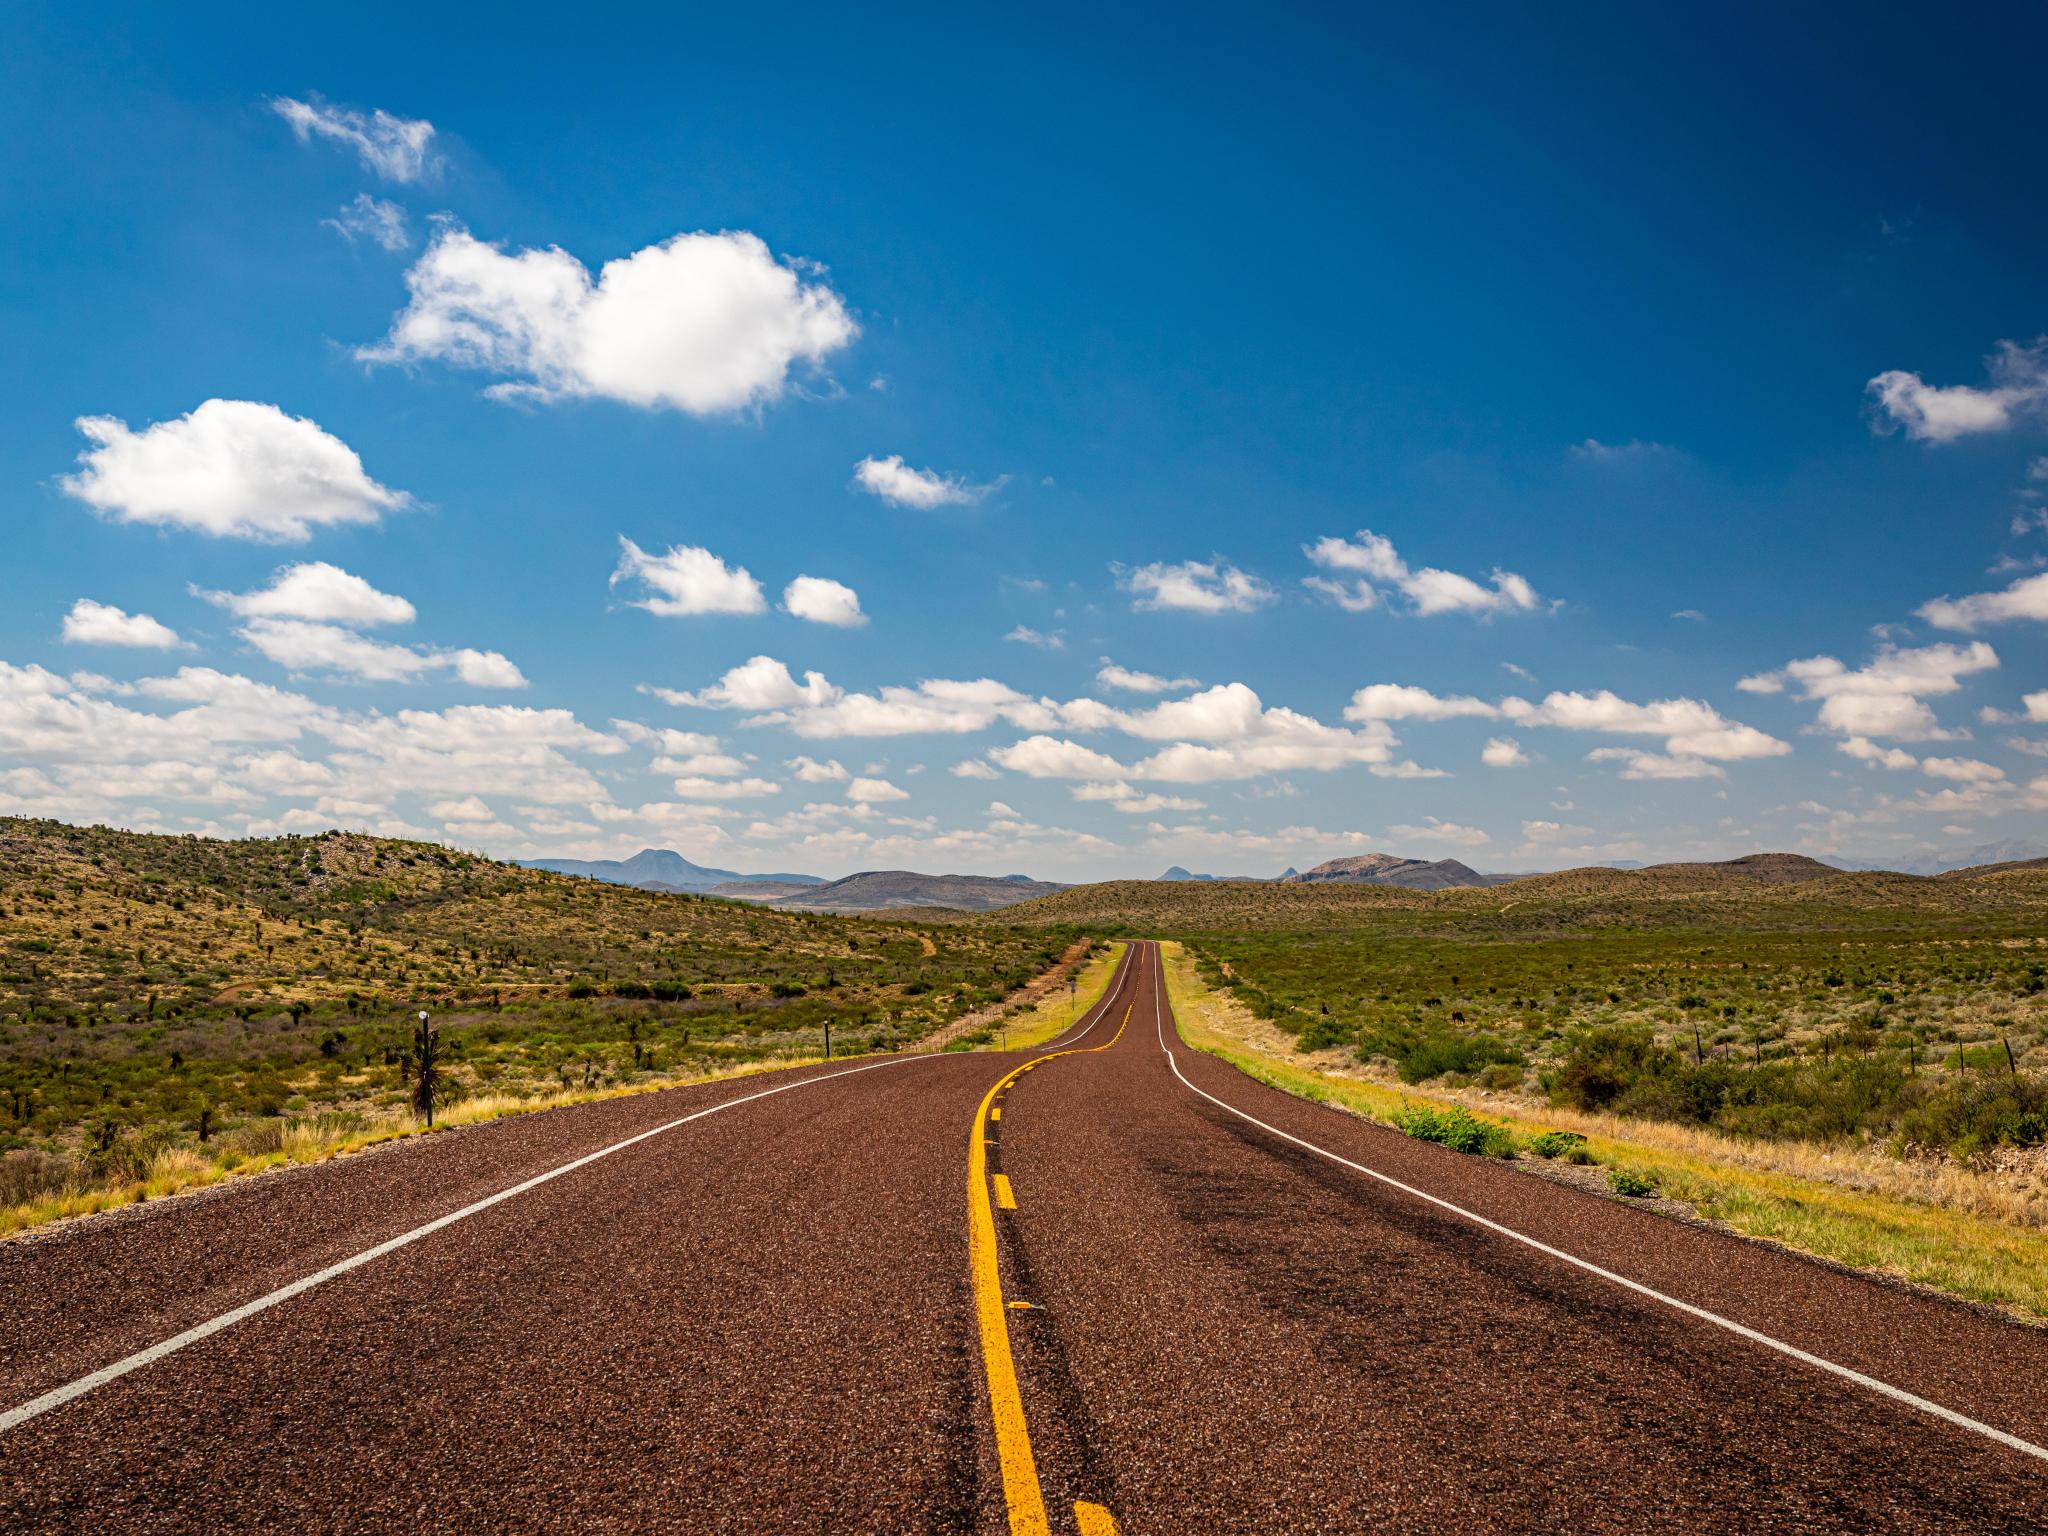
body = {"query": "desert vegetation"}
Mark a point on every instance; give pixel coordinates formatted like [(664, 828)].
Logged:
[(174, 1007), (1771, 997)]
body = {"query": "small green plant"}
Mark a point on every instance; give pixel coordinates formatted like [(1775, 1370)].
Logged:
[(1556, 1143), (1459, 1129), (1634, 1185)]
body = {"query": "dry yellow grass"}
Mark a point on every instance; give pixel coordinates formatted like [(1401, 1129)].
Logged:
[(1938, 1226)]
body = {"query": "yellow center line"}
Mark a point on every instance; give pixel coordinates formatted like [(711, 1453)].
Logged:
[(1021, 1489), (1006, 1198), (1094, 1520), (996, 1113)]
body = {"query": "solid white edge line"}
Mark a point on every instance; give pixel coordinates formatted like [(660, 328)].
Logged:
[(1885, 1389), (56, 1397)]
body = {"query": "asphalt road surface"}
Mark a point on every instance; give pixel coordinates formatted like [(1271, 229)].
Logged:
[(1110, 1285)]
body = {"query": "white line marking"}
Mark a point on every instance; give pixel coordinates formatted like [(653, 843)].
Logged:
[(1885, 1389), (56, 1397)]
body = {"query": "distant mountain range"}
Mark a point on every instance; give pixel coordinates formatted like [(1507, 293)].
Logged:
[(880, 890), (1368, 869), (660, 869), (663, 869), (1392, 869)]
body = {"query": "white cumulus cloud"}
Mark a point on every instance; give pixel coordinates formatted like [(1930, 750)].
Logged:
[(91, 623), (1366, 564), (318, 591), (1194, 586), (2026, 598), (926, 489), (2017, 385), (1113, 676), (865, 791), (231, 468), (702, 323), (1503, 752), (1884, 699), (823, 601), (688, 580)]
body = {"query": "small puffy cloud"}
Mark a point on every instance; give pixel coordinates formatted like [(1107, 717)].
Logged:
[(689, 580), (2017, 385), (865, 791), (231, 468), (302, 646), (1194, 586), (764, 690), (484, 669), (1962, 770), (372, 218), (1690, 728), (467, 808), (1863, 749), (1399, 701), (706, 324), (1503, 752), (2026, 598), (1130, 801), (972, 768), (320, 592), (1024, 634), (760, 685), (823, 601), (91, 623), (1368, 563), (709, 787), (1656, 765), (1049, 757), (1885, 698), (1433, 830), (1113, 676), (811, 771), (395, 148), (926, 489)]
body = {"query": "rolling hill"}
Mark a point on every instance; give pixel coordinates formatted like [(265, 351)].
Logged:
[(889, 890)]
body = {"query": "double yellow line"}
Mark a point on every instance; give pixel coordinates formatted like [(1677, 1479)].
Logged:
[(1021, 1489)]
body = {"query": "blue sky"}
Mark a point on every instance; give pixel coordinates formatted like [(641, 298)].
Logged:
[(1202, 438)]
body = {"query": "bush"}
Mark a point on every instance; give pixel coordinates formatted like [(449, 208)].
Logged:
[(1459, 1129), (27, 1175), (1634, 1185), (1982, 1113), (1419, 1055), (1556, 1143)]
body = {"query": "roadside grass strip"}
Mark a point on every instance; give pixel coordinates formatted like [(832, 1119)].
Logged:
[(1946, 1250)]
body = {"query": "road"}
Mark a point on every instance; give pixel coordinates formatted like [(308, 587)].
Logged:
[(1110, 1285)]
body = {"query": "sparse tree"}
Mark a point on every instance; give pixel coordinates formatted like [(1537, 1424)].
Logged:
[(426, 1050)]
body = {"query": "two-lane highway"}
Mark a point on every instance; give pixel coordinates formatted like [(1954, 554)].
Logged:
[(1108, 1285)]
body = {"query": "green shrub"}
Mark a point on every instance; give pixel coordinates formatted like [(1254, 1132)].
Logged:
[(1457, 1128), (1556, 1143), (1634, 1185)]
